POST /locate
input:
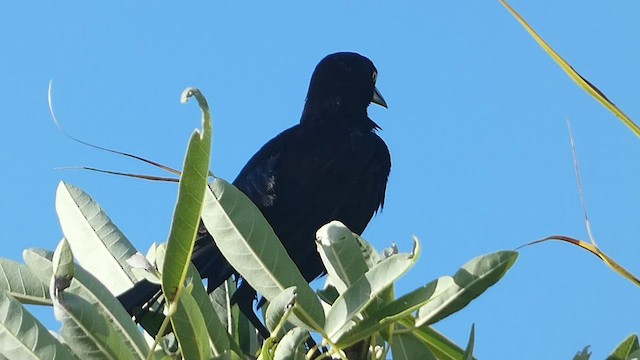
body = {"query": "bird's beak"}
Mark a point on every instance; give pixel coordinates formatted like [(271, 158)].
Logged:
[(377, 98)]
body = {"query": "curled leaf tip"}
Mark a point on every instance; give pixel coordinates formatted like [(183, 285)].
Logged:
[(332, 232), (187, 93), (416, 247), (194, 92)]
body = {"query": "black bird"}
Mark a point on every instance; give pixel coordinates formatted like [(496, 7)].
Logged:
[(331, 166)]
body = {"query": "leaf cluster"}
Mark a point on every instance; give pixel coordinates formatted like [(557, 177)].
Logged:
[(357, 314)]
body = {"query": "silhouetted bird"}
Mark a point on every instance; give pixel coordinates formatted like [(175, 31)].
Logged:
[(331, 166)]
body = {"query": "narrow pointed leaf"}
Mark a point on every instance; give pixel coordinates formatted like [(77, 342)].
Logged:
[(218, 335), (406, 346), (186, 217), (468, 351), (573, 74), (609, 261), (221, 301), (24, 337), (190, 329), (245, 333), (627, 347), (441, 347), (98, 245)]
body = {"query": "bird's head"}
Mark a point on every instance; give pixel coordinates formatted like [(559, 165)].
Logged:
[(343, 83)]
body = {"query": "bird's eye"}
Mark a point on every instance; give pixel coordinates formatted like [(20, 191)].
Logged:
[(375, 76)]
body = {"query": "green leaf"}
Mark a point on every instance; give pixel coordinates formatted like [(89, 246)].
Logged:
[(221, 301), (634, 355), (364, 291), (468, 352), (596, 251), (86, 331), (279, 310), (190, 329), (391, 312), (63, 268), (441, 346), (248, 242), (400, 310), (585, 354), (24, 337), (291, 347), (573, 74), (245, 333), (88, 287), (328, 294), (98, 245), (407, 346), (19, 281), (84, 328), (217, 333), (371, 256), (186, 217), (242, 334), (469, 282), (341, 255), (625, 348)]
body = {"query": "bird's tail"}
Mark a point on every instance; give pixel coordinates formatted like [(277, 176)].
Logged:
[(139, 301)]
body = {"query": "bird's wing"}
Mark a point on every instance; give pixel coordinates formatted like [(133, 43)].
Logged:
[(308, 176)]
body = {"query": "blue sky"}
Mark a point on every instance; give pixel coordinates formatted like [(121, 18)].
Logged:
[(476, 127)]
